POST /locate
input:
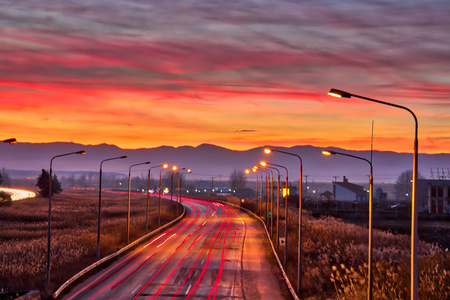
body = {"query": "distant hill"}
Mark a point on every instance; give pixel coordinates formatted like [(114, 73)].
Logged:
[(208, 160)]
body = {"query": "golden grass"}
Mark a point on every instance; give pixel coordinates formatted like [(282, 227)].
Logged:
[(334, 260), (23, 232)]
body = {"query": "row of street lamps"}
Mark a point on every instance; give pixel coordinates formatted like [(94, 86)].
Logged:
[(414, 219), (414, 216), (267, 166), (82, 152)]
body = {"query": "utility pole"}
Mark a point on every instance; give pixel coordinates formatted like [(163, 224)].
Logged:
[(306, 179), (212, 184)]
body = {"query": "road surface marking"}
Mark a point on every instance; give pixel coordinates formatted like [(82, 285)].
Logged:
[(189, 288), (134, 291)]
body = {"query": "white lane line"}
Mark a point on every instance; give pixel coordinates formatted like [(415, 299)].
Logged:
[(189, 288), (134, 291), (203, 261)]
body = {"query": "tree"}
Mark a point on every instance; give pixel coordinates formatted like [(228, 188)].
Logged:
[(81, 181), (5, 198), (403, 185), (5, 179), (237, 181), (43, 184)]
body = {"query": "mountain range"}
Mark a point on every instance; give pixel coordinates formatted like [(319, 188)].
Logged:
[(208, 161)]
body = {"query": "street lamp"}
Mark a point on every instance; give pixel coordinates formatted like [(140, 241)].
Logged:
[(180, 180), (285, 211), (177, 188), (9, 141), (100, 202), (148, 194), (82, 152), (165, 166), (260, 205), (414, 218), (278, 202), (129, 198), (329, 152), (269, 195), (299, 254), (257, 196), (174, 168)]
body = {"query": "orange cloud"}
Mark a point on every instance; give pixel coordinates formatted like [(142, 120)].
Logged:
[(136, 76)]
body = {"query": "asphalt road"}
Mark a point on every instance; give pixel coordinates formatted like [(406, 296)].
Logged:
[(216, 252)]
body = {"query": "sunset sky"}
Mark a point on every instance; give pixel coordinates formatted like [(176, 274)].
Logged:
[(239, 74)]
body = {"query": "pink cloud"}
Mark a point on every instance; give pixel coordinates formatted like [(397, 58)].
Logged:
[(271, 63)]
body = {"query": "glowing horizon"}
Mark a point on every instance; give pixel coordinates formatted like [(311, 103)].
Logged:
[(231, 74)]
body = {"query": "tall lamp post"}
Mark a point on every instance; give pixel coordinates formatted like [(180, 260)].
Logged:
[(269, 195), (414, 219), (329, 152), (256, 169), (180, 180), (129, 198), (148, 194), (257, 188), (82, 152), (299, 254), (165, 166), (100, 202), (177, 190), (278, 201), (285, 211), (174, 168), (259, 202)]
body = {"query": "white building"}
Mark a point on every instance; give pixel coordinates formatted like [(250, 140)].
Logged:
[(349, 192)]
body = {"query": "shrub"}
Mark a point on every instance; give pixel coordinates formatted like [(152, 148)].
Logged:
[(5, 198)]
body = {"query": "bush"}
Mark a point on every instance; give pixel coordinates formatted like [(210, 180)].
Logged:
[(5, 198)]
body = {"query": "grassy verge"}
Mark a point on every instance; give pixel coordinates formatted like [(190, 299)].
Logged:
[(23, 232), (334, 260)]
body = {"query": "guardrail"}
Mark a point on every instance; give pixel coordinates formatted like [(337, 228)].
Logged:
[(111, 256), (286, 279)]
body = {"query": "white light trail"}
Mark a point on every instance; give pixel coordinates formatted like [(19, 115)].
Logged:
[(17, 194)]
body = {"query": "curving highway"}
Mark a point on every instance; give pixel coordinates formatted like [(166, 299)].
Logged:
[(216, 252)]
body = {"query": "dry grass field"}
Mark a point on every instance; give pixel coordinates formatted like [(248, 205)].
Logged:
[(23, 234), (334, 252), (334, 264)]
